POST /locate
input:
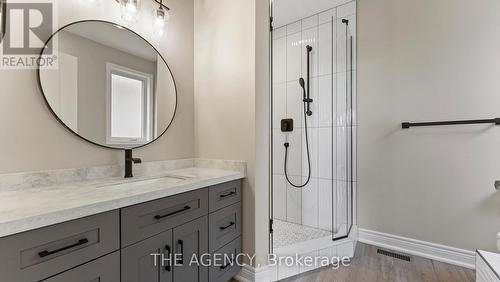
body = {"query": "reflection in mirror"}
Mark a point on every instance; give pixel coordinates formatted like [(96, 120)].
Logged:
[(110, 86)]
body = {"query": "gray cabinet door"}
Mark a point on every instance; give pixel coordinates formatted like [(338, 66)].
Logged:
[(140, 262), (230, 267), (191, 239), (105, 269)]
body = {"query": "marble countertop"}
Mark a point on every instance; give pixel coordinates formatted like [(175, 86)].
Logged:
[(27, 209)]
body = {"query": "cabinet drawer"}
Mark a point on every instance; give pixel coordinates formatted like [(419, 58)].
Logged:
[(39, 254), (229, 269), (224, 195), (224, 226), (105, 269), (148, 219)]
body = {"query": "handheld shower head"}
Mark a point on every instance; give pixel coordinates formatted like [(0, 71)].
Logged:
[(309, 48), (302, 83)]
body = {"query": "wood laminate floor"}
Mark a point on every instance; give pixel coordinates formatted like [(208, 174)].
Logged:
[(368, 266)]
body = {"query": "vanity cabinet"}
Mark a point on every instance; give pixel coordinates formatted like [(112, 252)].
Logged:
[(224, 195), (190, 239), (148, 219), (186, 240), (122, 245), (105, 269), (42, 253), (225, 226), (139, 265)]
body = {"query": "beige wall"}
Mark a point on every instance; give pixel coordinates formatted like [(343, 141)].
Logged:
[(226, 102), (31, 139), (262, 131), (429, 60)]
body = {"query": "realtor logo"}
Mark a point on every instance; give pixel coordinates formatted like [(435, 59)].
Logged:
[(28, 26)]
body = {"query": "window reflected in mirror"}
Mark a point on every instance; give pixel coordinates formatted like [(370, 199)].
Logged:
[(110, 86), (129, 106)]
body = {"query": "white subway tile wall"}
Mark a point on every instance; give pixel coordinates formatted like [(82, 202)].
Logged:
[(324, 201)]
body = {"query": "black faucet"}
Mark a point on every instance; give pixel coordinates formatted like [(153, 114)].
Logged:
[(129, 160)]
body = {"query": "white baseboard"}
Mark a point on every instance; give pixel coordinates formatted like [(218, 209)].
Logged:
[(251, 274), (424, 249)]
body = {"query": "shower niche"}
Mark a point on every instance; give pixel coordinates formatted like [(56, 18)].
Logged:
[(314, 160)]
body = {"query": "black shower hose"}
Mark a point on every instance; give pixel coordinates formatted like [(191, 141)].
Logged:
[(308, 155)]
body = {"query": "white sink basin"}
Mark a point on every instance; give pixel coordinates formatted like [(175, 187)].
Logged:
[(144, 181)]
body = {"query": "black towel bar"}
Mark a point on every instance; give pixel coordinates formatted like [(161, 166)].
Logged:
[(406, 125)]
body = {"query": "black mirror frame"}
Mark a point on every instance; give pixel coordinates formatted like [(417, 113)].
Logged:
[(3, 16), (75, 133)]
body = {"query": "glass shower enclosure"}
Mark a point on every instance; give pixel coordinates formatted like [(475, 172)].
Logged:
[(313, 133)]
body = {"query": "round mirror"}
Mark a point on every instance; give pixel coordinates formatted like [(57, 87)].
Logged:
[(3, 18), (107, 84)]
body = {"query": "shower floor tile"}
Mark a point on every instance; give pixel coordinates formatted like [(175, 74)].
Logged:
[(286, 233)]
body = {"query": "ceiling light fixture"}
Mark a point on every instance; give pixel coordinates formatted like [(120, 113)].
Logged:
[(131, 9), (161, 16)]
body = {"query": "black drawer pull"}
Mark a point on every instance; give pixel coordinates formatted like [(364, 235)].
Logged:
[(180, 261), (48, 253), (172, 213), (228, 194), (169, 254), (226, 227), (227, 265)]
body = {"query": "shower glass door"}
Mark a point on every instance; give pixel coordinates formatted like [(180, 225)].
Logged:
[(344, 131)]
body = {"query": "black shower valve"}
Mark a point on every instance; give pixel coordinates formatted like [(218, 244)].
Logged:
[(287, 125)]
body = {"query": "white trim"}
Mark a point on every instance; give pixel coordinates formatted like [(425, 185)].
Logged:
[(147, 92), (447, 254), (249, 273)]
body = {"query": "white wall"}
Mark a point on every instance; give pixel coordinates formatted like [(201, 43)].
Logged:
[(31, 139), (424, 61)]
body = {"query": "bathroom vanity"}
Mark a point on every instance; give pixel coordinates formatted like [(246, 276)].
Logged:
[(162, 226), (110, 230)]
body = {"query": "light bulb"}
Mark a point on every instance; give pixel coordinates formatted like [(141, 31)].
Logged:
[(160, 20), (159, 17), (130, 9)]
